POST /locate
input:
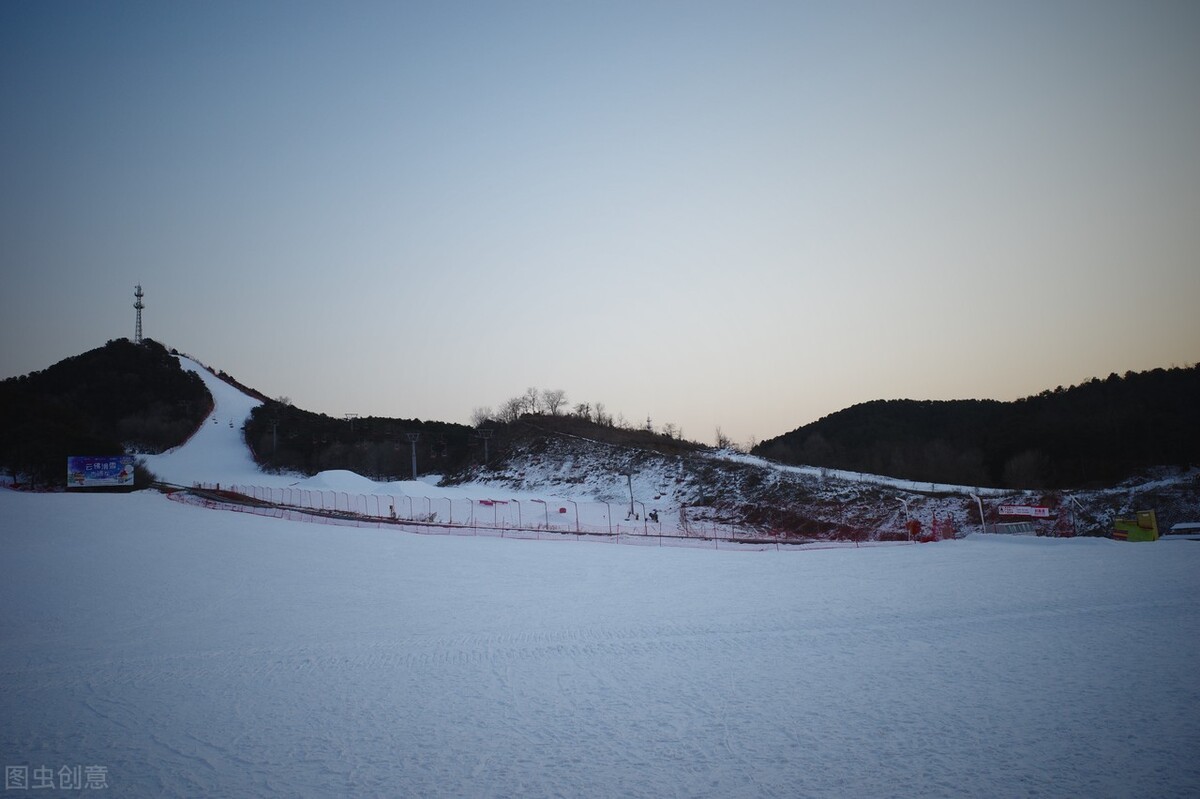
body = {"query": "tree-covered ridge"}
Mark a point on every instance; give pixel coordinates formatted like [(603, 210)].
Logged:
[(122, 397), (1098, 432), (287, 438)]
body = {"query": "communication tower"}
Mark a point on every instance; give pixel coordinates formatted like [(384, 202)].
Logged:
[(138, 305)]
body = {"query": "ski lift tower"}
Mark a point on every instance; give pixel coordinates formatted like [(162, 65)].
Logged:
[(138, 305), (412, 440), (485, 434)]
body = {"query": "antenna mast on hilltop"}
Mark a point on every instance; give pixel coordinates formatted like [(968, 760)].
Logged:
[(139, 305)]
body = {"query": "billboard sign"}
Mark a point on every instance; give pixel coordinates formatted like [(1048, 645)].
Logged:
[(86, 471), (1036, 511)]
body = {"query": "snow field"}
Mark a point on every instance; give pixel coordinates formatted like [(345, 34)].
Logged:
[(195, 652)]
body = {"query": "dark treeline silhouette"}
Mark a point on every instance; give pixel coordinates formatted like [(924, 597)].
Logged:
[(283, 437), (1096, 433), (117, 399)]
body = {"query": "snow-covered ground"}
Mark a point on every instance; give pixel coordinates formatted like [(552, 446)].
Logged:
[(179, 651), (197, 653), (862, 477)]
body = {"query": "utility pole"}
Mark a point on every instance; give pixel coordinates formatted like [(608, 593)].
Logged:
[(629, 476), (907, 518), (982, 520)]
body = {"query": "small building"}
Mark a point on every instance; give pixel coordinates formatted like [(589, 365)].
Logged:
[(1187, 530)]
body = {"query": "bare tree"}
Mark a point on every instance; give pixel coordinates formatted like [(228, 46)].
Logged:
[(603, 418), (553, 400), (531, 399), (584, 411), (512, 409), (723, 441), (671, 430), (481, 416)]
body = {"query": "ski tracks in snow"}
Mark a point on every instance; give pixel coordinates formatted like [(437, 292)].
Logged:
[(658, 708)]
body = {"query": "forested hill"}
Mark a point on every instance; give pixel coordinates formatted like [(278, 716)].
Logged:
[(122, 396), (1099, 432), (284, 437)]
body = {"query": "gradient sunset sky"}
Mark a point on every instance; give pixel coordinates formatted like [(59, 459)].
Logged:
[(744, 214)]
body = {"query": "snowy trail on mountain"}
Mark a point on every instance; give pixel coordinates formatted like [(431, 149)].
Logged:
[(196, 653), (217, 451)]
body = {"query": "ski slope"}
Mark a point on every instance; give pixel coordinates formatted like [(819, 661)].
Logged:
[(217, 452), (198, 653)]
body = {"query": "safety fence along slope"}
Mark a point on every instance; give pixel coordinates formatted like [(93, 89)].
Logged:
[(514, 518), (557, 515)]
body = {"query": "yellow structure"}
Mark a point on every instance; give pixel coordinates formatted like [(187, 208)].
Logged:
[(1143, 528)]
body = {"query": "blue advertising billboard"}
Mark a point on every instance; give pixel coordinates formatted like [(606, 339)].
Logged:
[(87, 471)]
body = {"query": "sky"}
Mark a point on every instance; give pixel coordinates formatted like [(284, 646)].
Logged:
[(744, 215)]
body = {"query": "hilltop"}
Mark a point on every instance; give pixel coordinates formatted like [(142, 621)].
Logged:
[(1098, 433), (119, 398)]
